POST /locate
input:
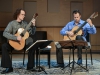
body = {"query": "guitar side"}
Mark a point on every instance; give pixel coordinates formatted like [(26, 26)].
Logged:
[(19, 45), (74, 37)]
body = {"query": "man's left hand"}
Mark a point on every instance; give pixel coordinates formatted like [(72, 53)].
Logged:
[(90, 22), (33, 22)]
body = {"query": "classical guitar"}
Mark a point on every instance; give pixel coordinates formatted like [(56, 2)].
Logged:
[(78, 30), (19, 45)]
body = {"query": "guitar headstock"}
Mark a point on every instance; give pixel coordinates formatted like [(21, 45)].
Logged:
[(94, 15), (35, 15)]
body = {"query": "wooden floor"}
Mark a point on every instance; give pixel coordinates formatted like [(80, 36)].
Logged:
[(19, 57)]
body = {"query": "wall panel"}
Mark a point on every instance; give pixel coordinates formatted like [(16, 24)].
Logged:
[(30, 8), (6, 5), (76, 5)]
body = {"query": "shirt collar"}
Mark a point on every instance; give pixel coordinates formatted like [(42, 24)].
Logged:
[(18, 22), (80, 22)]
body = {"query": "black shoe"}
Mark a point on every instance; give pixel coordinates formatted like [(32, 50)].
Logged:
[(7, 70), (59, 65), (31, 69)]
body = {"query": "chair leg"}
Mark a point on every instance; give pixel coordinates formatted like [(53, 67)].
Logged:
[(11, 55), (24, 57), (36, 58), (91, 57), (86, 58), (69, 57), (49, 60)]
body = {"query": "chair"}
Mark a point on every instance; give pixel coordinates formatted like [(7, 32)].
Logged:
[(39, 35), (70, 46), (42, 35), (4, 40), (23, 55), (44, 51), (89, 46)]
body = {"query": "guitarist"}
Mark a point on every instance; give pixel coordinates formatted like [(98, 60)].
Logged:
[(88, 28), (9, 32)]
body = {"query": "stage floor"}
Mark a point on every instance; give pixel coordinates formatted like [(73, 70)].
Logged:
[(96, 58), (19, 57)]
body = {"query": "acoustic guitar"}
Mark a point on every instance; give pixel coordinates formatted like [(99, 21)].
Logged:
[(78, 30), (19, 45)]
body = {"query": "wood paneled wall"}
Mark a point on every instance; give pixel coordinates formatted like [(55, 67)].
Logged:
[(54, 34), (56, 19), (47, 18)]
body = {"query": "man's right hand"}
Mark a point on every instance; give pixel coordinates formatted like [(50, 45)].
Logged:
[(19, 38), (70, 33)]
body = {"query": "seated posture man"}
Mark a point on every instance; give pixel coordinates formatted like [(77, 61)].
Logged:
[(9, 33), (87, 28)]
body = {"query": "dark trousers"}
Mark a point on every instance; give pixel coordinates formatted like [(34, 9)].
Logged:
[(6, 61), (59, 52)]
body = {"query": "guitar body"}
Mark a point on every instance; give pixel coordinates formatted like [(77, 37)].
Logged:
[(74, 37), (19, 45)]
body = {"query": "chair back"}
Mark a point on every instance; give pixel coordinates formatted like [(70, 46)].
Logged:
[(39, 35), (2, 38)]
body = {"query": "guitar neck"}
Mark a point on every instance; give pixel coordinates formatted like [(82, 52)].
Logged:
[(95, 14), (30, 23), (27, 27), (76, 31)]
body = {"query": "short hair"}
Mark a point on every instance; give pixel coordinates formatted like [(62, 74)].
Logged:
[(17, 12), (76, 11)]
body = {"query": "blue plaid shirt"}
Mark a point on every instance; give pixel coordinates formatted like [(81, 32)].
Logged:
[(86, 28)]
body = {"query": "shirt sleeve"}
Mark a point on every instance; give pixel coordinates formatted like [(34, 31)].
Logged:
[(64, 30), (91, 29), (31, 29), (8, 32)]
